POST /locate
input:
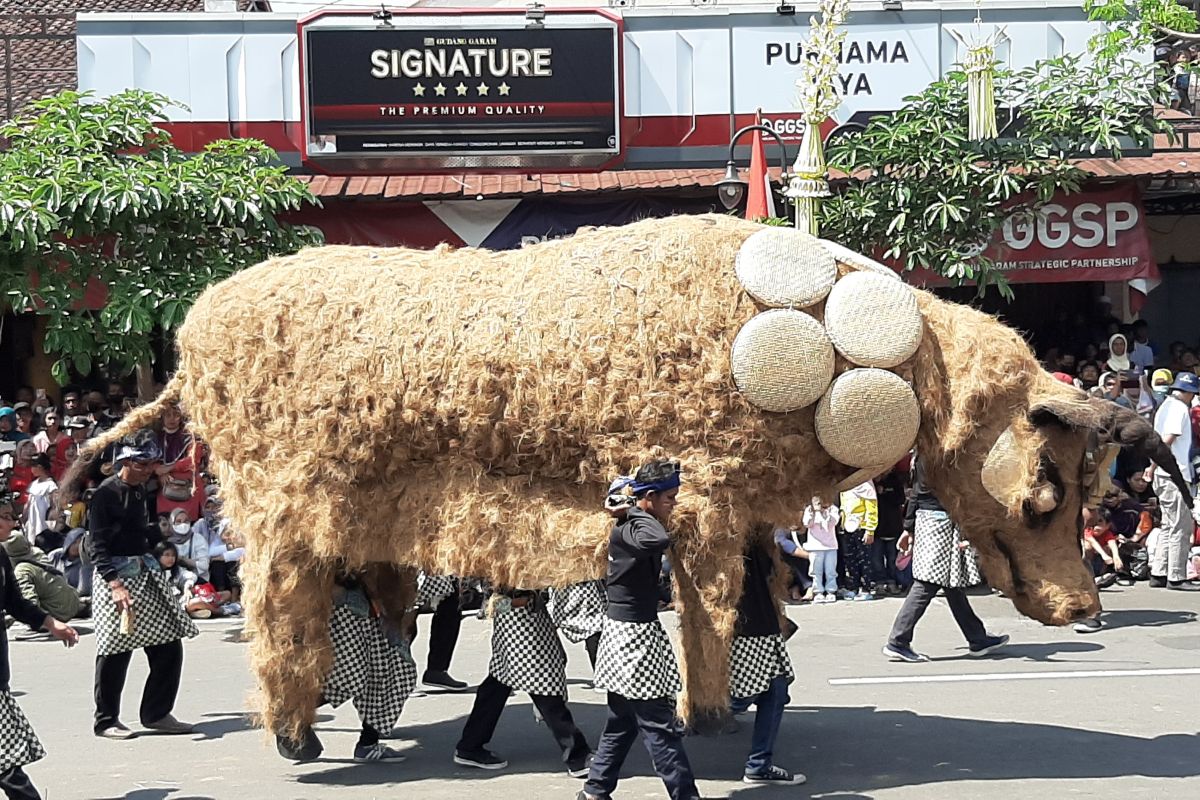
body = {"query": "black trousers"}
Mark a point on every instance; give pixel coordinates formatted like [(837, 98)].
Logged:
[(443, 633), (162, 685), (17, 786), (661, 732), (490, 699), (592, 645), (919, 597)]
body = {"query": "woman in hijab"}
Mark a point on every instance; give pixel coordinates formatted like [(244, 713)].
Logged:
[(191, 545), (1118, 353)]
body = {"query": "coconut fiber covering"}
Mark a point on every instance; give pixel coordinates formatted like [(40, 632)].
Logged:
[(463, 411)]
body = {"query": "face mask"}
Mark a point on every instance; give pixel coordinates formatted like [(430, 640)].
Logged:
[(181, 527)]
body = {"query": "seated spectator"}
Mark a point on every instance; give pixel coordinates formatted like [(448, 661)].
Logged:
[(1089, 374), (1100, 548), (22, 472), (38, 580), (191, 547), (24, 419), (1118, 354), (45, 439), (40, 497), (71, 561), (8, 426), (199, 600), (232, 554), (797, 559)]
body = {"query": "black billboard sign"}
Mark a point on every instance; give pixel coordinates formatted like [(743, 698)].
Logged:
[(492, 91)]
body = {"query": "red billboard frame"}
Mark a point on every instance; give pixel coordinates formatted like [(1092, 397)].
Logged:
[(625, 125)]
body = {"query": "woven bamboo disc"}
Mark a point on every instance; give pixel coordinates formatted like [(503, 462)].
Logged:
[(867, 417), (872, 320), (785, 268), (1003, 470), (782, 360), (850, 258)]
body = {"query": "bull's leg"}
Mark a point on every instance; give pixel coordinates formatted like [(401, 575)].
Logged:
[(288, 600), (708, 585)]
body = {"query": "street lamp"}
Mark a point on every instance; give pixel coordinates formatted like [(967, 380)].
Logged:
[(731, 189)]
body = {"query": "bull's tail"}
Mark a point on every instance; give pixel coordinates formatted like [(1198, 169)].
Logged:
[(140, 417)]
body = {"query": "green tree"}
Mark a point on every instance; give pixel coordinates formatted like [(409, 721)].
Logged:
[(926, 196), (94, 189)]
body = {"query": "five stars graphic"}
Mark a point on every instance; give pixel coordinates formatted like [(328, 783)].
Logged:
[(461, 89), (419, 90), (439, 90), (504, 87), (482, 88)]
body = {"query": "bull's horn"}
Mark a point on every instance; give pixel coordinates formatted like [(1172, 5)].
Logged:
[(1005, 473)]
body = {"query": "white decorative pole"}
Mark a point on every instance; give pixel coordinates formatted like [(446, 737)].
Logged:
[(817, 98)]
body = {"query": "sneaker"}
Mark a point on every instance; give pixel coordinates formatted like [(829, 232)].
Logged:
[(1183, 586), (864, 596), (776, 776), (1125, 580), (480, 759), (845, 594), (1106, 580), (442, 680), (830, 598), (116, 731), (376, 752), (308, 748), (989, 645), (169, 726), (581, 767), (1088, 625), (898, 653)]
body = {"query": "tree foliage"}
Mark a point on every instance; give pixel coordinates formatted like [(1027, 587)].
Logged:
[(95, 190), (923, 194)]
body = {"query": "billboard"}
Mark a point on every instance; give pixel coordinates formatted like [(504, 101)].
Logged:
[(420, 92)]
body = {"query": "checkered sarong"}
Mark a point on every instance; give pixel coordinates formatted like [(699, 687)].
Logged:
[(368, 669), (19, 745), (635, 660), (158, 617), (433, 589), (526, 652), (578, 610), (754, 662), (937, 558)]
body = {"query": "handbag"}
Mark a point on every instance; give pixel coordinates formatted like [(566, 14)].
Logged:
[(181, 489)]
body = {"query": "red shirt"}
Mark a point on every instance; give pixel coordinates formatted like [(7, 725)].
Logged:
[(1101, 538)]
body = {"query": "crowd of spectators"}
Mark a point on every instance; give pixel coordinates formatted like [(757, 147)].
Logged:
[(43, 527)]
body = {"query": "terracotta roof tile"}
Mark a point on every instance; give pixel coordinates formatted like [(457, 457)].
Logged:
[(41, 37)]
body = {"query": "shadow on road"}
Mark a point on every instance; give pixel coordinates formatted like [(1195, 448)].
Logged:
[(1145, 618), (159, 794), (906, 749), (1034, 651)]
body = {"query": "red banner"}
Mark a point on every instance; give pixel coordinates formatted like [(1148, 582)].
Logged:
[(1096, 235)]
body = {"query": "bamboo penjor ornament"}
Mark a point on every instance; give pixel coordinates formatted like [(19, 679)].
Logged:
[(817, 98), (980, 66)]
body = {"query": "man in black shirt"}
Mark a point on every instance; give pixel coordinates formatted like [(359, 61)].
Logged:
[(133, 605), (635, 662), (18, 743)]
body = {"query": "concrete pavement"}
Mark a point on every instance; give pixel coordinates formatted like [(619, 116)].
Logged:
[(1125, 725)]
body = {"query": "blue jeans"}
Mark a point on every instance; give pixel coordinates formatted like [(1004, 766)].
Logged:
[(767, 717), (824, 571)]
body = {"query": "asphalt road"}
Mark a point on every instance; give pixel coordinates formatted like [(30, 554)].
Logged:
[(1055, 715)]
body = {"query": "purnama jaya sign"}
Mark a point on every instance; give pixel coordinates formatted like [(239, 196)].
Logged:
[(430, 91)]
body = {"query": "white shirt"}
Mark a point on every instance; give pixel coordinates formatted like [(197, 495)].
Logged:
[(39, 506), (1172, 419)]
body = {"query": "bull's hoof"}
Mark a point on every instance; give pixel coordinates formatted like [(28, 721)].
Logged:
[(307, 748), (712, 723)]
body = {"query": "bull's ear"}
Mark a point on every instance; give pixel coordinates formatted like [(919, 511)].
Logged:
[(1079, 412)]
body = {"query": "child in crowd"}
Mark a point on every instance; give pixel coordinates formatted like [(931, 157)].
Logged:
[(822, 546), (200, 603), (1100, 541)]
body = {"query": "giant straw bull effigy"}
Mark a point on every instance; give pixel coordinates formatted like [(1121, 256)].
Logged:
[(462, 411)]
